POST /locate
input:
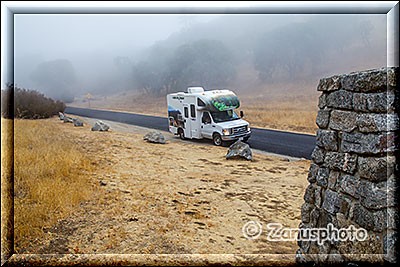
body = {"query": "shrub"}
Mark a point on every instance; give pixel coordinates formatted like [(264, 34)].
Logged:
[(28, 104)]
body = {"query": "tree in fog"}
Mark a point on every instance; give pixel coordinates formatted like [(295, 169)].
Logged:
[(287, 49), (56, 79), (207, 63), (147, 76)]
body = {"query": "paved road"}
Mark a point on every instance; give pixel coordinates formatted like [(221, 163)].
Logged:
[(279, 142)]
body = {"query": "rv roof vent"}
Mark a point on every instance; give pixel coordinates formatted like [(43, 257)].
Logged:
[(192, 90)]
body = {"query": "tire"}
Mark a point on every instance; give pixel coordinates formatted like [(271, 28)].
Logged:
[(217, 140), (181, 134)]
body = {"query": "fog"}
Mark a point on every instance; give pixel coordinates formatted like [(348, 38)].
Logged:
[(64, 56)]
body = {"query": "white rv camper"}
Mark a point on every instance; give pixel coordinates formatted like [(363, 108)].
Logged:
[(206, 114)]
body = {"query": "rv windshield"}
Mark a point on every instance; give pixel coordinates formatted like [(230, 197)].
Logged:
[(227, 115)]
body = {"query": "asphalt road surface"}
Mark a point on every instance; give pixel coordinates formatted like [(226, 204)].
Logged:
[(278, 142)]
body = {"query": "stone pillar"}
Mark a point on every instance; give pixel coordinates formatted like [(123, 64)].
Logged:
[(352, 174)]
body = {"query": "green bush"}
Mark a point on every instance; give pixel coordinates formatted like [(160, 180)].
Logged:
[(28, 104)]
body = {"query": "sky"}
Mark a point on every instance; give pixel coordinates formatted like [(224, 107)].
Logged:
[(64, 35)]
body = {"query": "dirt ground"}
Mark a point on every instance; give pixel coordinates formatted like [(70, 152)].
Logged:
[(181, 197)]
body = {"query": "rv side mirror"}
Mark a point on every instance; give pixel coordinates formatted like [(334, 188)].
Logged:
[(241, 114)]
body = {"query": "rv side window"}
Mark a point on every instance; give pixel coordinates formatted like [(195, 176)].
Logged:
[(200, 103), (192, 111), (186, 111)]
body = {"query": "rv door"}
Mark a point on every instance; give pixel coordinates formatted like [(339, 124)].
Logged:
[(206, 125), (188, 129)]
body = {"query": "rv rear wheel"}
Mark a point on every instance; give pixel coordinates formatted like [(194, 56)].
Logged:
[(217, 140), (181, 134)]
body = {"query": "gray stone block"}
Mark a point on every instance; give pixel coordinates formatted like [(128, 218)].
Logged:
[(318, 196), (312, 173), (334, 202), (322, 177), (348, 81), (100, 126), (330, 83), (327, 139), (154, 137), (350, 185), (314, 217), (323, 118), (367, 143), (360, 102), (341, 161), (303, 244), (322, 101), (318, 155), (306, 209), (367, 81), (309, 194), (377, 122), (340, 99), (373, 196), (377, 102), (392, 192), (333, 179), (376, 169), (369, 220), (344, 121), (77, 122), (392, 74), (392, 104)]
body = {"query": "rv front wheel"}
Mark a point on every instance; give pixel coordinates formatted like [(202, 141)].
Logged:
[(217, 140)]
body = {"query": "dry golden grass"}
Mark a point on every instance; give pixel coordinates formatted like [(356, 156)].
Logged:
[(49, 178), (296, 113), (6, 190), (286, 112)]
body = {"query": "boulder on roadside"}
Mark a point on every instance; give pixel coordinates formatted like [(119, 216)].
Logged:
[(154, 137), (61, 115), (239, 149), (77, 122), (100, 126), (68, 119)]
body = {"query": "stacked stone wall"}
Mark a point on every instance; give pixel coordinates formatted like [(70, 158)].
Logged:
[(352, 178)]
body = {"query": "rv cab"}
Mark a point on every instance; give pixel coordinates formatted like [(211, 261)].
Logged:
[(206, 114)]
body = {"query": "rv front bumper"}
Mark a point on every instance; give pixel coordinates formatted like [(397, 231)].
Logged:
[(236, 136)]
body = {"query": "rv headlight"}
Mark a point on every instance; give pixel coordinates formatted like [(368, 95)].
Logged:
[(225, 131), (248, 128)]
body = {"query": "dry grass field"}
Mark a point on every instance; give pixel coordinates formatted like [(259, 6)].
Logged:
[(289, 113), (6, 189), (79, 191), (50, 178)]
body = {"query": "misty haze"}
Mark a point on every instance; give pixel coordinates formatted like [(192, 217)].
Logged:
[(68, 55)]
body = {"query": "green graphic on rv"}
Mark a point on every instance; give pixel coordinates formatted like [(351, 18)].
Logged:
[(225, 102)]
